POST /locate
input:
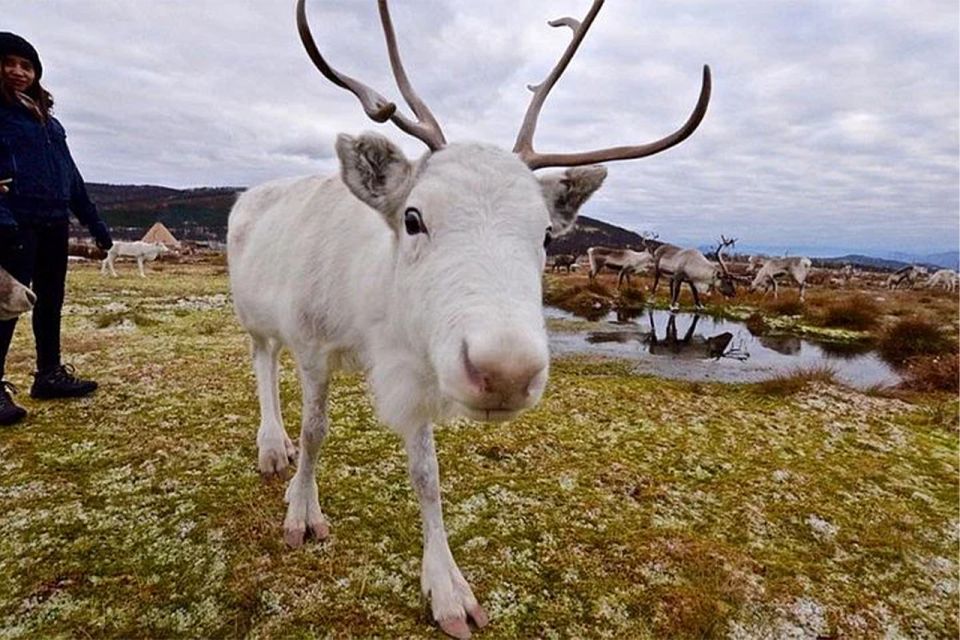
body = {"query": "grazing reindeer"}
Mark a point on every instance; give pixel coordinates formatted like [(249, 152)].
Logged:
[(564, 261), (15, 298), (909, 275), (692, 267), (946, 278), (624, 261), (797, 268), (663, 257), (426, 274)]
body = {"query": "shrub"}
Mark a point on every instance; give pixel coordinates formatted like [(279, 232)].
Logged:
[(592, 300), (757, 325), (785, 307), (912, 337), (631, 297), (933, 373), (786, 384), (859, 313)]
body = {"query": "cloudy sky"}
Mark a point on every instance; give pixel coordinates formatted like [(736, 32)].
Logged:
[(833, 124)]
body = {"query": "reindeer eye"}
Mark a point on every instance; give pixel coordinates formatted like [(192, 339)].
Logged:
[(547, 239), (413, 222)]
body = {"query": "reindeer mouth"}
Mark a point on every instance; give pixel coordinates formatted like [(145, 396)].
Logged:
[(486, 415)]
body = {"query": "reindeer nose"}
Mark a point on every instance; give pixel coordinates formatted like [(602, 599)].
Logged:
[(505, 370), (31, 296)]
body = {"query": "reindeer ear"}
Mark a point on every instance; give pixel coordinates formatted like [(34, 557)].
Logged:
[(566, 192), (375, 170)]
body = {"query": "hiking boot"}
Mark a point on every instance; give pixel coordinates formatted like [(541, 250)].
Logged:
[(60, 382), (10, 413)]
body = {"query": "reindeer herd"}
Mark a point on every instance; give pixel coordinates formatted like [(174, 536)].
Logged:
[(690, 266)]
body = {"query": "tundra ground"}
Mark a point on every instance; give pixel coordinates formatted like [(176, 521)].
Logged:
[(623, 506)]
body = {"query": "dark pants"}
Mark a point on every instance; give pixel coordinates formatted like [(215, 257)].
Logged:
[(43, 261)]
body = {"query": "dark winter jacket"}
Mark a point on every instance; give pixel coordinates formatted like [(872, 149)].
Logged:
[(46, 183)]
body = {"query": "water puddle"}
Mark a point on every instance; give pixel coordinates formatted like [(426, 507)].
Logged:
[(690, 346)]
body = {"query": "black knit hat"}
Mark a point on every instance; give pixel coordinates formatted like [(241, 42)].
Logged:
[(13, 45)]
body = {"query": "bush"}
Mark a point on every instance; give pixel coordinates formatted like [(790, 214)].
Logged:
[(912, 337), (858, 313), (933, 373), (787, 384), (785, 307), (631, 297), (591, 301), (757, 325)]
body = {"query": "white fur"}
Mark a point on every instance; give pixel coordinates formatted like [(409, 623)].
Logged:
[(798, 268), (627, 261), (946, 278), (141, 251), (445, 323), (685, 265), (14, 297)]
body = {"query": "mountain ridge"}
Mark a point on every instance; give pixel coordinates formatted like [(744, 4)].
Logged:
[(200, 213)]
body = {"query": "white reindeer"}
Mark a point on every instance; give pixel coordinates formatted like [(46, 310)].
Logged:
[(797, 268), (625, 261), (142, 251), (692, 267), (15, 298), (425, 274), (945, 278)]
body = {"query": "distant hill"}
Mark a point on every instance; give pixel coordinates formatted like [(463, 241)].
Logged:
[(876, 264), (190, 214), (201, 214), (589, 232), (946, 259)]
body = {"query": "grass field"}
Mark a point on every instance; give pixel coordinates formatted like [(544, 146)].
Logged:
[(622, 507)]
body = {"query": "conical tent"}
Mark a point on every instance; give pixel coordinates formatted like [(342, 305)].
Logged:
[(159, 233)]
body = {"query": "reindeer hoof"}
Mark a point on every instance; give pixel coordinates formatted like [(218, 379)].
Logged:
[(296, 537), (275, 460), (455, 628), (273, 467), (479, 616)]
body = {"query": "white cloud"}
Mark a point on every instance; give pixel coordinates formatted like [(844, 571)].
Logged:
[(831, 123)]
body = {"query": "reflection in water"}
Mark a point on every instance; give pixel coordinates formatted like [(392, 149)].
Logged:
[(691, 345), (847, 350), (787, 345), (704, 349)]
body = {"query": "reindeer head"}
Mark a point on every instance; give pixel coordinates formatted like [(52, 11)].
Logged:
[(725, 281), (14, 297), (470, 224)]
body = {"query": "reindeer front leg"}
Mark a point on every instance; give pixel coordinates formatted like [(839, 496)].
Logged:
[(450, 596), (696, 295)]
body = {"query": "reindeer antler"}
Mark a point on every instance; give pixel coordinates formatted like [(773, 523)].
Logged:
[(378, 108), (724, 243), (535, 160)]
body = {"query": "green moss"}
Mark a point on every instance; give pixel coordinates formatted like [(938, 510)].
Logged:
[(622, 506)]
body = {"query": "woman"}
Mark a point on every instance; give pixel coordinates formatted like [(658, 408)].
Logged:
[(41, 185)]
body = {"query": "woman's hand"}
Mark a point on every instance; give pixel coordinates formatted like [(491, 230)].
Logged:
[(101, 235)]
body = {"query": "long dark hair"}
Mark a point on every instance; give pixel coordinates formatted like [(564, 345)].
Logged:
[(42, 98)]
